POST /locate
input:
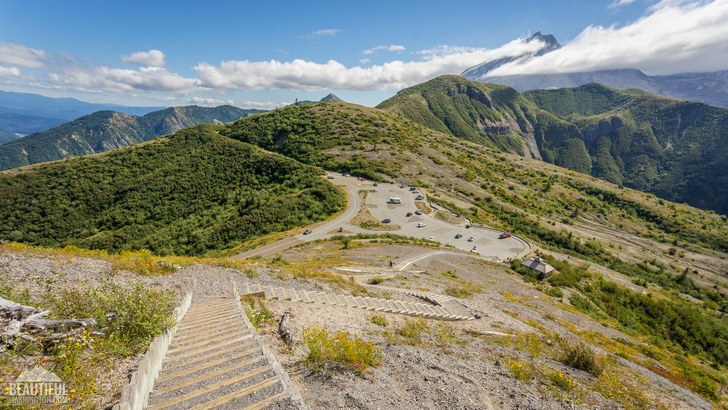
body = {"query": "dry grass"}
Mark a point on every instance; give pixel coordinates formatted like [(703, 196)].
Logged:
[(140, 262)]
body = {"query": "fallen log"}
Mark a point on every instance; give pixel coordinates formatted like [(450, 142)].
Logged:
[(283, 331), (29, 323)]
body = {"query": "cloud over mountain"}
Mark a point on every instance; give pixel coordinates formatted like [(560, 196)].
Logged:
[(675, 36)]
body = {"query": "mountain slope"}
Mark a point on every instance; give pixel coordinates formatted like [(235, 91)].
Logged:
[(27, 113), (105, 130), (674, 149), (492, 115), (188, 193), (653, 270)]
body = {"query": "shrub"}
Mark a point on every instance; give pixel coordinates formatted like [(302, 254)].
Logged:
[(329, 350), (379, 320), (459, 292), (376, 280), (257, 312), (410, 333), (582, 357), (140, 313), (520, 369), (560, 380)]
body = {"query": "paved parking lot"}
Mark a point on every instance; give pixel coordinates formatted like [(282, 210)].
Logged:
[(484, 240)]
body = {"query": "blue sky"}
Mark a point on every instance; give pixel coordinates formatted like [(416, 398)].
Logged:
[(267, 53)]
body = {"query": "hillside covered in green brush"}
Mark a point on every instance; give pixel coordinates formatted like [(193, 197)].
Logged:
[(674, 149), (188, 193), (106, 130)]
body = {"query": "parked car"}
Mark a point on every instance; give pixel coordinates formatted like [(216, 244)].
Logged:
[(418, 212), (375, 184), (475, 248), (432, 238), (346, 175), (330, 177), (471, 239), (307, 231), (408, 214), (419, 198), (468, 226), (401, 185), (458, 236), (505, 235), (386, 221), (413, 189), (421, 225)]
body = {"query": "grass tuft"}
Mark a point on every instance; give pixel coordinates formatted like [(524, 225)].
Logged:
[(339, 350)]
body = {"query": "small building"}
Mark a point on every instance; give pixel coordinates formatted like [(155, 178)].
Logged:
[(544, 269)]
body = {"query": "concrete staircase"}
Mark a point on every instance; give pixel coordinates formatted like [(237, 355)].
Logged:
[(434, 298), (217, 360), (425, 310)]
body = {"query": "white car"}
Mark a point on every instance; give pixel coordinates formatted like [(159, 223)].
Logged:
[(421, 225), (471, 239), (432, 238)]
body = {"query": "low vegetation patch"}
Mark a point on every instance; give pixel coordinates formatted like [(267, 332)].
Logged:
[(142, 262), (582, 357), (378, 320), (520, 369), (258, 314), (409, 333), (327, 351), (127, 319)]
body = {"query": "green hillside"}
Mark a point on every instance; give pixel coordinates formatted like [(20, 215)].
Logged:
[(493, 115), (674, 149), (106, 130), (188, 194)]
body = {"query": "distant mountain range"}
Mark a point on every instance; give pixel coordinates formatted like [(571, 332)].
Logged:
[(709, 88), (23, 113), (672, 148), (106, 130)]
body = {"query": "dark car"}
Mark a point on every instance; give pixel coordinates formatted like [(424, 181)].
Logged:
[(408, 214), (418, 212), (307, 231), (458, 236), (419, 198), (386, 221)]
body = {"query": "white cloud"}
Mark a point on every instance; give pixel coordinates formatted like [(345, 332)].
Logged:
[(209, 101), (326, 32), (151, 58), (364, 60), (21, 56), (9, 71), (307, 75), (120, 79), (675, 36), (391, 47), (620, 3)]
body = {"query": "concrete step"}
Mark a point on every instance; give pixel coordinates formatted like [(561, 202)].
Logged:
[(184, 354), (211, 388), (251, 355)]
